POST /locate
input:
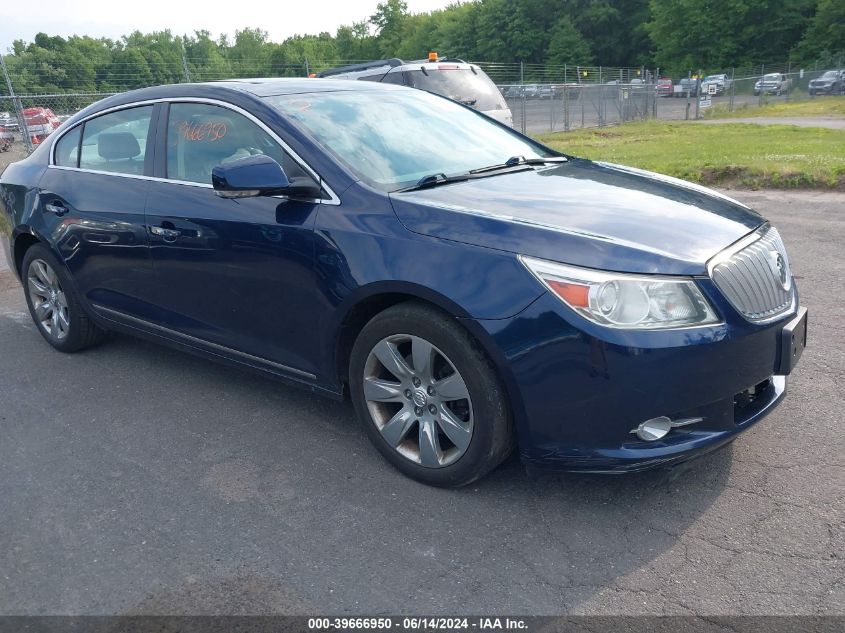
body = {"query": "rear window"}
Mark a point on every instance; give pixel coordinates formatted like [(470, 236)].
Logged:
[(460, 84)]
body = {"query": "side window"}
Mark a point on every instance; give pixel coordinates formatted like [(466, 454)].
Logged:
[(202, 136), (67, 149), (117, 141), (393, 78)]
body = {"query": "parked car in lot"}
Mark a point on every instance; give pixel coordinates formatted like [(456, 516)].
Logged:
[(470, 289), (720, 82), (686, 87), (9, 121), (453, 78), (830, 83), (531, 91), (40, 123), (773, 84), (664, 87)]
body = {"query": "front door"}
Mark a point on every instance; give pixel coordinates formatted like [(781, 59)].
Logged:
[(236, 273)]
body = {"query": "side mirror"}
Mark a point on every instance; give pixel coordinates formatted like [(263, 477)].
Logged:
[(259, 175)]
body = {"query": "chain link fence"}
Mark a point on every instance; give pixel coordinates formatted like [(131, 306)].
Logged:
[(543, 98), (27, 120)]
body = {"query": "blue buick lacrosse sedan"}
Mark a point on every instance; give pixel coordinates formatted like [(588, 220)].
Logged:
[(471, 290)]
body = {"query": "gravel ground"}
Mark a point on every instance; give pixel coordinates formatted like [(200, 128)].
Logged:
[(135, 479)]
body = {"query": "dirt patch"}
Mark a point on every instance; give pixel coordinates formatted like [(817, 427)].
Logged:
[(15, 153), (833, 123)]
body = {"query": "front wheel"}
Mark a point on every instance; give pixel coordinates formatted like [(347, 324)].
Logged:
[(428, 397)]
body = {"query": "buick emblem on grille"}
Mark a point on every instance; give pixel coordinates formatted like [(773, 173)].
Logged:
[(780, 268)]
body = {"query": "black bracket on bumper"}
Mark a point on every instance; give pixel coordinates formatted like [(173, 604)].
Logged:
[(793, 340)]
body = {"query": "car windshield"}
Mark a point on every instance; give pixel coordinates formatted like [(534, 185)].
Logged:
[(460, 84), (712, 77), (774, 77), (830, 74), (392, 139)]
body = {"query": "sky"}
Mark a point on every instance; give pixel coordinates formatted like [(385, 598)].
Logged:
[(113, 18)]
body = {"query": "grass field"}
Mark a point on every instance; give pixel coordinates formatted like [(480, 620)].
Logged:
[(817, 107), (733, 154)]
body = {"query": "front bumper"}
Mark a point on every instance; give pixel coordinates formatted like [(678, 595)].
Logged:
[(578, 391)]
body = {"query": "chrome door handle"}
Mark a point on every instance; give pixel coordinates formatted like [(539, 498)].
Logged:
[(167, 234), (55, 207)]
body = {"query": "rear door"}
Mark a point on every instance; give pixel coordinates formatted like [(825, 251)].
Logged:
[(235, 273), (92, 199)]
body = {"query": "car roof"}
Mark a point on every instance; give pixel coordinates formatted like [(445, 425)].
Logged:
[(235, 90), (269, 86), (259, 87), (394, 64)]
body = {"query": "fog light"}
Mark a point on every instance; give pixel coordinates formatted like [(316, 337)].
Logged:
[(654, 429)]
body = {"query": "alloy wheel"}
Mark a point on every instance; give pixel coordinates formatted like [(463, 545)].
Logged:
[(49, 302), (418, 400)]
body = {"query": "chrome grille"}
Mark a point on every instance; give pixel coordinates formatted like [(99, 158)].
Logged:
[(754, 275)]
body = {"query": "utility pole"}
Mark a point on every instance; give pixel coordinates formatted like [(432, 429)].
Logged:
[(698, 94), (522, 93), (27, 141), (185, 63)]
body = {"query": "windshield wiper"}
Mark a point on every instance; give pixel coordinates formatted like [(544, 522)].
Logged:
[(435, 180), (519, 161)]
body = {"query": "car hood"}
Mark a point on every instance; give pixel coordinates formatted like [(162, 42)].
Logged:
[(584, 213)]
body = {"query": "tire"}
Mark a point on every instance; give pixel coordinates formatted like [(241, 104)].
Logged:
[(54, 303), (468, 436)]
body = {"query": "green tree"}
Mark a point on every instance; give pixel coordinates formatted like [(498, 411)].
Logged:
[(730, 33), (356, 43), (128, 70), (389, 21), (825, 35), (567, 45), (205, 59), (249, 56), (457, 32)]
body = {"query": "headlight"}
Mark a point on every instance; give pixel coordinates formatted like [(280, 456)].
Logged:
[(625, 301)]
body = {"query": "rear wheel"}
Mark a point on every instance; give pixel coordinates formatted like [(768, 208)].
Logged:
[(53, 302), (428, 397)]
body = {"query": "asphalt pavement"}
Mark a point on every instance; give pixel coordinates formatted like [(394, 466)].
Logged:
[(135, 479)]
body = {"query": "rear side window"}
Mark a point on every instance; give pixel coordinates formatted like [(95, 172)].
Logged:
[(67, 149), (117, 142), (202, 136), (394, 78)]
